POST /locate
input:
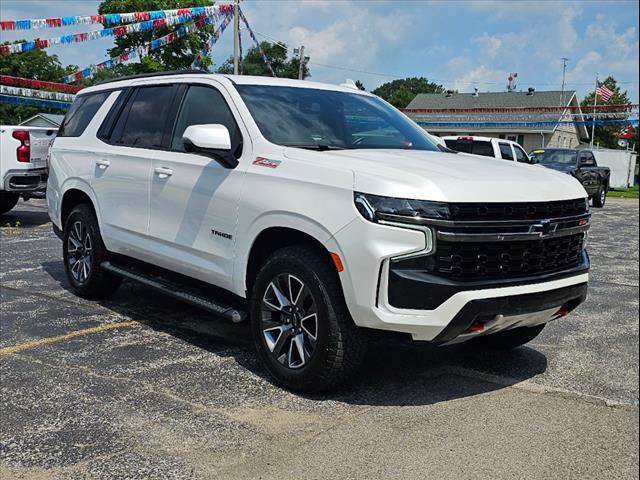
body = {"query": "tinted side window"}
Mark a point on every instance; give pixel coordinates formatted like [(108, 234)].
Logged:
[(482, 148), (201, 106), (81, 113), (471, 146), (143, 121), (520, 155), (505, 151)]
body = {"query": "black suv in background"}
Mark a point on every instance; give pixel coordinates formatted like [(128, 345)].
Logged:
[(579, 163)]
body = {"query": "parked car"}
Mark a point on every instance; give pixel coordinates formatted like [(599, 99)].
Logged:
[(23, 162), (318, 212), (487, 147), (582, 165)]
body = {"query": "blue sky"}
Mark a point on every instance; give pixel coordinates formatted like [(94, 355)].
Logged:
[(459, 44)]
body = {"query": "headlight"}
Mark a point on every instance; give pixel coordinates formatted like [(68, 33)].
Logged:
[(403, 213), (376, 208)]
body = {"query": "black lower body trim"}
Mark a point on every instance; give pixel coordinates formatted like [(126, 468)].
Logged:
[(567, 297), (421, 290)]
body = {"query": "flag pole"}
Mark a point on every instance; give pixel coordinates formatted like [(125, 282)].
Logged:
[(595, 102)]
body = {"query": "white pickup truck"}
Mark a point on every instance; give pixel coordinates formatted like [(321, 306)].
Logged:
[(487, 147), (320, 213), (23, 162)]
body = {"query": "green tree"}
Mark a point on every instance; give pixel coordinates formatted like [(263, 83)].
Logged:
[(277, 54), (35, 64), (175, 56), (399, 93), (605, 135)]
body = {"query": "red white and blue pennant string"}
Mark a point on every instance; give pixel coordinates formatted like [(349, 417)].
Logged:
[(141, 51), (38, 84), (97, 34), (113, 18), (43, 94), (35, 102), (632, 121), (253, 37), (211, 42)]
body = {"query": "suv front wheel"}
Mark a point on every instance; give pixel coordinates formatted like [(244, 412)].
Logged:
[(301, 325), (83, 252)]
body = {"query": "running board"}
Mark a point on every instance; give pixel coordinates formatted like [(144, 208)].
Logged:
[(177, 291)]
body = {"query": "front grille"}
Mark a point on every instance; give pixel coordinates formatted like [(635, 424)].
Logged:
[(475, 261), (516, 211)]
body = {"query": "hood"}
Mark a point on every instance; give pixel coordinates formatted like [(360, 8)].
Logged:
[(448, 177)]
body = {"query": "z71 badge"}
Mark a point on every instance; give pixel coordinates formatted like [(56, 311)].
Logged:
[(265, 162)]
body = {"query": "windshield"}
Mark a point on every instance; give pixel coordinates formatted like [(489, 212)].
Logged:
[(566, 157), (327, 119)]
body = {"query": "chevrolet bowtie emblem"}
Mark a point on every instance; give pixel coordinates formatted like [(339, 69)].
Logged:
[(544, 228)]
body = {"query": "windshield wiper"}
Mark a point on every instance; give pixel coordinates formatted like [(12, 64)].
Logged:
[(319, 148)]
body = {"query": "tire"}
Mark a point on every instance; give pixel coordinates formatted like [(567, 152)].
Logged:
[(83, 252), (600, 197), (284, 336), (509, 339), (7, 201)]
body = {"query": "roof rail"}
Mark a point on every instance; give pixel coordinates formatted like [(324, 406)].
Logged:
[(153, 74)]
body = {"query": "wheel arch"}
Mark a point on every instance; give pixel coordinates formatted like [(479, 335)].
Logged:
[(270, 240), (75, 195)]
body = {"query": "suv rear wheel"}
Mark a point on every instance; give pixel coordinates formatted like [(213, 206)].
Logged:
[(509, 339), (301, 326), (83, 252)]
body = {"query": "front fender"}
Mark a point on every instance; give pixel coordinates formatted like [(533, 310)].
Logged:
[(282, 219)]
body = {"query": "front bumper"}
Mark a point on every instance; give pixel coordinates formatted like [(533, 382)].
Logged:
[(366, 249)]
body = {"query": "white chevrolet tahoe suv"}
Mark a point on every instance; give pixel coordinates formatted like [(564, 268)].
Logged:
[(320, 213)]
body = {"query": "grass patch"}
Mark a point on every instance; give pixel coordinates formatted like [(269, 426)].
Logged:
[(624, 192)]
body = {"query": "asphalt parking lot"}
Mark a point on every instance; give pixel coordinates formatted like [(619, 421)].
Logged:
[(143, 387)]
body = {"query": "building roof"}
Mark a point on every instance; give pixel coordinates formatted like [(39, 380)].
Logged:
[(496, 100), (53, 119)]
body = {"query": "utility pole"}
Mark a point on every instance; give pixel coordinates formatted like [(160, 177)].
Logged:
[(303, 61), (564, 71), (236, 36)]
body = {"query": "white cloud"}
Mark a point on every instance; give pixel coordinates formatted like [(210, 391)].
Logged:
[(482, 77), (618, 44)]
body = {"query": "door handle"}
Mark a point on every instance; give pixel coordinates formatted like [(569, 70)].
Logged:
[(102, 164), (163, 172)]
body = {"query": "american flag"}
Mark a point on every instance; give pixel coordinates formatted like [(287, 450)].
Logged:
[(603, 91)]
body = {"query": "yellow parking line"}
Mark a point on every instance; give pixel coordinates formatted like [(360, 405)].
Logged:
[(77, 333)]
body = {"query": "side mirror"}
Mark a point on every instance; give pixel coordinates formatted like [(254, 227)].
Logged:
[(212, 141)]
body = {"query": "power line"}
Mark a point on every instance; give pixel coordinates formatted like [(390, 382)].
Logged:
[(390, 75)]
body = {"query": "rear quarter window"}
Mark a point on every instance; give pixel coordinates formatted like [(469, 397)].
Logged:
[(81, 113), (143, 121)]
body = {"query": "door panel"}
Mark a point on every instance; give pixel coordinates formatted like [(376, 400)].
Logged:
[(193, 199), (122, 166), (121, 184), (193, 208)]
